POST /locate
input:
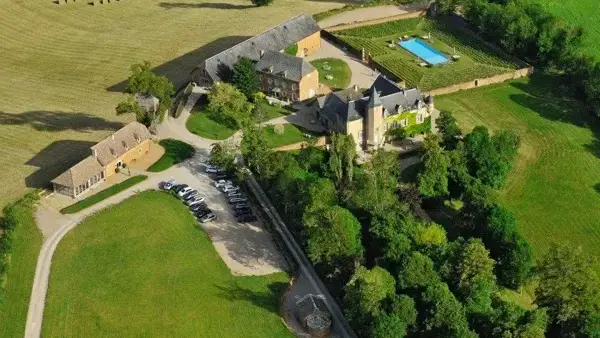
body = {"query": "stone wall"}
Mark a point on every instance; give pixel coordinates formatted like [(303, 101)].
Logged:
[(321, 141), (483, 82), (376, 21)]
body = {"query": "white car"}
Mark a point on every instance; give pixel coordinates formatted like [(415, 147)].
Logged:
[(184, 191), (194, 201), (230, 188), (222, 183), (212, 169)]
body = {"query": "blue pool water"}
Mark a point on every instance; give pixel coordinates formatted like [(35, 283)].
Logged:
[(424, 51)]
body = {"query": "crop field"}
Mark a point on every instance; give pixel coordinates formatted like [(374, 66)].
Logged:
[(585, 13), (154, 273), (63, 68), (476, 59), (554, 189)]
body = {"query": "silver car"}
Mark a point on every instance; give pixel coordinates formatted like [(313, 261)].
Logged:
[(235, 200)]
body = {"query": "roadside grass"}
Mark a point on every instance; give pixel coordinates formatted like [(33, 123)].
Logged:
[(175, 152), (77, 60), (339, 70), (553, 188), (26, 245), (204, 124), (291, 134), (144, 267), (104, 194), (272, 112)]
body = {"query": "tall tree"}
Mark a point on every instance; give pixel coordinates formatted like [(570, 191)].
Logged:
[(244, 78), (433, 181), (225, 101), (342, 153), (417, 272), (569, 288), (222, 154), (365, 295), (333, 239), (376, 189), (475, 280), (255, 149), (448, 128), (144, 82)]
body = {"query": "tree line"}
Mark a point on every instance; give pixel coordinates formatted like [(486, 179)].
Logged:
[(525, 29), (398, 274)]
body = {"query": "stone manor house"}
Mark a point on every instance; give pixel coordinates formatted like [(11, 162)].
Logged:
[(288, 77)]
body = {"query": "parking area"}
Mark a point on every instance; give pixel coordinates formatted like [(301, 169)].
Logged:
[(245, 246)]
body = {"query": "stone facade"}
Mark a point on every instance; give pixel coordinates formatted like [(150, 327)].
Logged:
[(309, 45), (131, 156), (309, 86)]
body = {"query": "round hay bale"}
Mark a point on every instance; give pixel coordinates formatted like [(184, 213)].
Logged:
[(278, 129)]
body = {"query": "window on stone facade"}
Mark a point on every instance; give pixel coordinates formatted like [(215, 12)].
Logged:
[(361, 135), (394, 124), (403, 122), (420, 118)]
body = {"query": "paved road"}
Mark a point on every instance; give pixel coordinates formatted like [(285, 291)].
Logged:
[(367, 13)]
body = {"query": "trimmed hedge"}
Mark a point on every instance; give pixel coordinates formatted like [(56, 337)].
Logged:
[(104, 194)]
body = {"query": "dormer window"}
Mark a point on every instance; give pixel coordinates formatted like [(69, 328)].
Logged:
[(112, 152), (136, 137), (124, 144)]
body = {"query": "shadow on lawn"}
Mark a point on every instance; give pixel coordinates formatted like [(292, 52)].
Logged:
[(54, 160), (171, 5), (268, 300), (554, 103), (178, 70), (58, 121)]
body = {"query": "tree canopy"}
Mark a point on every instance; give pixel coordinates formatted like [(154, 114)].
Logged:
[(225, 101), (244, 78), (433, 181), (144, 82)]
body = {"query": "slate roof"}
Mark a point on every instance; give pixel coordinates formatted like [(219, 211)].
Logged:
[(284, 65), (387, 93), (79, 173), (274, 39), (120, 142)]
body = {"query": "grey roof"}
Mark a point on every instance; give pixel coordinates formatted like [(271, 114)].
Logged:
[(339, 107), (274, 39), (79, 173), (148, 103), (120, 142), (284, 65), (386, 92)]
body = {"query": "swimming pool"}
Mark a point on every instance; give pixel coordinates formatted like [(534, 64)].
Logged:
[(421, 49)]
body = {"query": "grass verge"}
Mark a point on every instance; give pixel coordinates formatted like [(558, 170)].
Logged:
[(175, 152), (291, 134), (145, 268), (204, 125), (104, 194), (16, 283)]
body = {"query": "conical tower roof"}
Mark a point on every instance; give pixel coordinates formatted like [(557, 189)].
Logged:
[(374, 100)]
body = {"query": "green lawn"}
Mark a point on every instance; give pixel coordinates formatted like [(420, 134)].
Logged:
[(26, 244), (585, 13), (291, 134), (103, 194), (144, 268), (204, 125), (175, 152), (554, 189), (338, 69), (272, 112), (476, 60)]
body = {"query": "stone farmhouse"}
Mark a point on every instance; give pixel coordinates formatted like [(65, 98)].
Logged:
[(106, 158), (369, 116), (284, 76)]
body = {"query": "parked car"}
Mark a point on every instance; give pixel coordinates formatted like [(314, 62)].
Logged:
[(224, 176), (242, 212), (178, 187), (247, 218), (234, 200), (212, 169), (235, 194), (203, 212), (241, 206), (208, 218), (184, 191), (189, 195), (194, 200), (167, 185), (222, 183), (198, 207), (230, 188)]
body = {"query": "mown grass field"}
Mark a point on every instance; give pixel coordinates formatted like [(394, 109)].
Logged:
[(26, 244), (63, 67), (153, 272), (476, 60), (554, 189), (585, 13)]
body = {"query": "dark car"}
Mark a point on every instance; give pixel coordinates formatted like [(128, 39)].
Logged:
[(247, 218), (242, 212), (236, 200), (178, 187), (203, 212), (199, 206), (241, 206), (223, 176), (189, 195)]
